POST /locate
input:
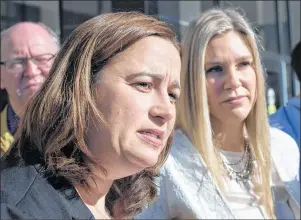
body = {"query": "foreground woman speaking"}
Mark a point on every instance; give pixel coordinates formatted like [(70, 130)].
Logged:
[(100, 128)]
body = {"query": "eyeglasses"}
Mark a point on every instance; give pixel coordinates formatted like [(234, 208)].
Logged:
[(18, 65)]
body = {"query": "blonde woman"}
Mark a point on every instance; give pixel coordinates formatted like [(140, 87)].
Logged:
[(221, 164), (101, 126)]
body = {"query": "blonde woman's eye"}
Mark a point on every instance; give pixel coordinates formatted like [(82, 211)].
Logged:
[(244, 64), (215, 69)]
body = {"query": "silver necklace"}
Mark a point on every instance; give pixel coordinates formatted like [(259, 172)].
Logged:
[(243, 156), (245, 173)]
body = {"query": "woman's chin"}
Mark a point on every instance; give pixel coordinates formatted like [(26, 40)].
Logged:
[(238, 114), (144, 160)]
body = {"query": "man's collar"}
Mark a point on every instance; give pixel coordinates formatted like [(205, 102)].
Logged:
[(12, 120)]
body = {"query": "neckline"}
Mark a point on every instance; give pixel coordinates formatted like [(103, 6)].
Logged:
[(231, 154)]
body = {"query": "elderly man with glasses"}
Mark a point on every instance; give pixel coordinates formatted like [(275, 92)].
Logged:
[(27, 52)]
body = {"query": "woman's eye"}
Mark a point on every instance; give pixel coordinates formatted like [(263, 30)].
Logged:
[(215, 69), (143, 85), (173, 97), (244, 64)]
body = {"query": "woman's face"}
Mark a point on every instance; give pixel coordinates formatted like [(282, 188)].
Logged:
[(136, 95), (230, 78)]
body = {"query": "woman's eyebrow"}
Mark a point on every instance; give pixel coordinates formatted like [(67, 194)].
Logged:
[(148, 74), (175, 84), (216, 62), (242, 58)]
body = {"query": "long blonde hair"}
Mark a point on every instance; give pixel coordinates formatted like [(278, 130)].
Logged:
[(193, 111)]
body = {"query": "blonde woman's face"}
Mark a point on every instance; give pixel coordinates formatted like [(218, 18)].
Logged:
[(137, 92), (230, 78)]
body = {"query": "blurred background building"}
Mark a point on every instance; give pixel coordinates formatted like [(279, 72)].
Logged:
[(277, 23)]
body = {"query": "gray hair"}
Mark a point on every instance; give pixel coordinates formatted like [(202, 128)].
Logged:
[(52, 33)]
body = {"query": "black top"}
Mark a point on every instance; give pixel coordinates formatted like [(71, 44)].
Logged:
[(28, 192)]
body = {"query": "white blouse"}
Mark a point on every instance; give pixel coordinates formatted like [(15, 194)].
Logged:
[(187, 191), (240, 195)]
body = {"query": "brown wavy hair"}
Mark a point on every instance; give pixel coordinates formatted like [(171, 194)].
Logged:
[(56, 119)]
